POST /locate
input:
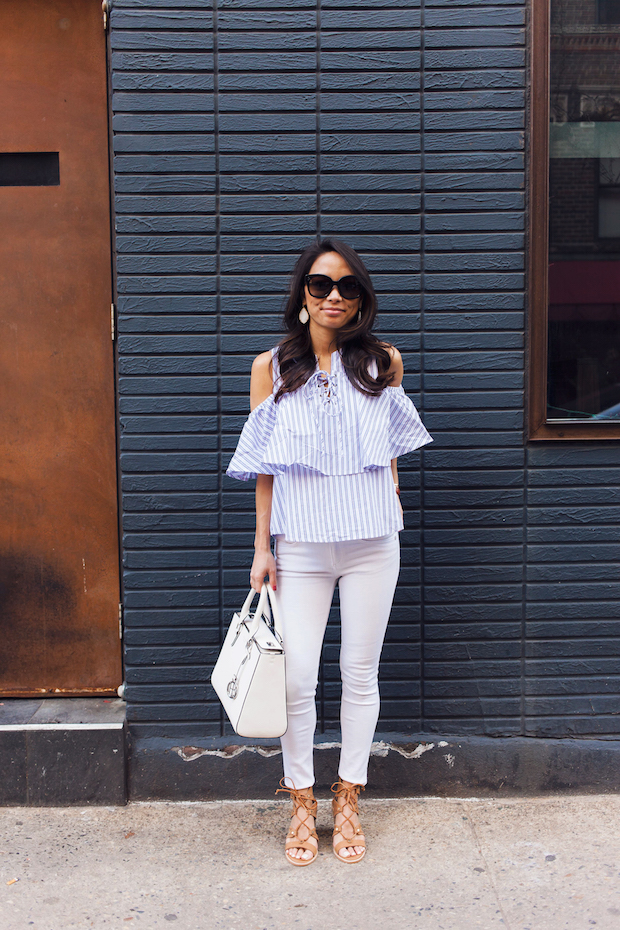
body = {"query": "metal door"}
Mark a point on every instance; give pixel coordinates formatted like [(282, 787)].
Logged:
[(59, 575)]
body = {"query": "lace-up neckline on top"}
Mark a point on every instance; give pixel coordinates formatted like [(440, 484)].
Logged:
[(322, 387)]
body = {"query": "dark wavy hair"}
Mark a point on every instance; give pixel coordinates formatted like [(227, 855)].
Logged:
[(358, 345)]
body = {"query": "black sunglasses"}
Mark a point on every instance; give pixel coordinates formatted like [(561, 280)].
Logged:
[(320, 285)]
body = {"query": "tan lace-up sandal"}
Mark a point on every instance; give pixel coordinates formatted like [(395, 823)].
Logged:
[(347, 795), (305, 807)]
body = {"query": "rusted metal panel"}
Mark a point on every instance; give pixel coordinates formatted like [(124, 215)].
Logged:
[(59, 578)]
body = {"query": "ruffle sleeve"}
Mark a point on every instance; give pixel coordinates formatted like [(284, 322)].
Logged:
[(393, 429), (359, 433), (249, 459), (406, 430)]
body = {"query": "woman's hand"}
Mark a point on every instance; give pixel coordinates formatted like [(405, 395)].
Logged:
[(263, 564)]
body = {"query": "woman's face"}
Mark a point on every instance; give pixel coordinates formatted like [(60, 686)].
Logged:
[(331, 312)]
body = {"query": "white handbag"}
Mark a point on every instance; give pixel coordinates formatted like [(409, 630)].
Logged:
[(249, 675)]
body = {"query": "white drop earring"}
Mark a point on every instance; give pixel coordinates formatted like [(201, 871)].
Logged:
[(359, 316), (304, 316)]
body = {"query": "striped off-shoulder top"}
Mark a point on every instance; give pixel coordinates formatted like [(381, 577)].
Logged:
[(329, 448)]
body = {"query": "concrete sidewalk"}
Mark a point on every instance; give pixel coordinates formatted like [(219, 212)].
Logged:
[(533, 864)]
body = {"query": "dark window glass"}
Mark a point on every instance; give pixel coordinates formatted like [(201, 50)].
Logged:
[(609, 12), (29, 169), (584, 212)]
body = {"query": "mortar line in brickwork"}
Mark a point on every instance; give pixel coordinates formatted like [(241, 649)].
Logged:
[(422, 346), (524, 531), (523, 631), (318, 119), (522, 669), (317, 147), (218, 327)]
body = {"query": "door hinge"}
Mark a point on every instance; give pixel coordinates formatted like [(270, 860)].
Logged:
[(105, 12), (113, 321), (120, 621)]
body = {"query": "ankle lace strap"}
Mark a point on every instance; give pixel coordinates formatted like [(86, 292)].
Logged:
[(349, 794), (309, 804)]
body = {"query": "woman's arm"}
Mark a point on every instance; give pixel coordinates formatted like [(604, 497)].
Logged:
[(397, 369), (394, 464), (263, 562), (261, 386)]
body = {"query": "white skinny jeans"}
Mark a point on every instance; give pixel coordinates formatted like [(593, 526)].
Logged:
[(366, 571)]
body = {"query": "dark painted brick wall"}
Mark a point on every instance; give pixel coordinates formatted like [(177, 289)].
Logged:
[(240, 132), (473, 478)]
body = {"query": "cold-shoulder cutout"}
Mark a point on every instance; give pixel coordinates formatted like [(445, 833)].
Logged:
[(396, 367), (261, 379)]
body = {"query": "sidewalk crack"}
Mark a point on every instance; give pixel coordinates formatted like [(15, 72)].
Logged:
[(489, 870)]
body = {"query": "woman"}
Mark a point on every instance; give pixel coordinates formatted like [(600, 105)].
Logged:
[(328, 419)]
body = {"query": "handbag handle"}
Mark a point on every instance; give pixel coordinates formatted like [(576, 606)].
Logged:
[(247, 604), (267, 604), (272, 602)]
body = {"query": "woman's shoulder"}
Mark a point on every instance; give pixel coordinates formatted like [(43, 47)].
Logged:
[(261, 380), (263, 363), (396, 368)]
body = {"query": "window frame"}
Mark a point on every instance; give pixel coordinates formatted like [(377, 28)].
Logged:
[(539, 427)]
